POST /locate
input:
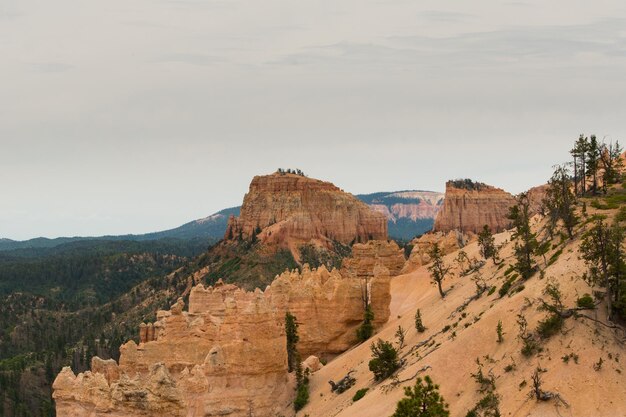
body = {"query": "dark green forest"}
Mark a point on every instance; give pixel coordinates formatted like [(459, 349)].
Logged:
[(59, 303)]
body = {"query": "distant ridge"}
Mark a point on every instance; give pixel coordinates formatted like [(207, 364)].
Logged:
[(210, 228), (409, 213)]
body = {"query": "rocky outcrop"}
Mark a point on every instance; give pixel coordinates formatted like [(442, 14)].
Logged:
[(448, 243), (469, 206), (365, 256), (536, 195), (289, 210), (227, 354)]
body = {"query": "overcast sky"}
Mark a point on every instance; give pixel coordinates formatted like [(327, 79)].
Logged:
[(129, 116)]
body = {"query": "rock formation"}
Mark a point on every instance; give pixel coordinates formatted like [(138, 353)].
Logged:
[(469, 206), (536, 195), (365, 256), (289, 210), (448, 242), (227, 354)]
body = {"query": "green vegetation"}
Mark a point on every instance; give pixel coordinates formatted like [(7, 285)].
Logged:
[(360, 394), (500, 332), (604, 255), (467, 184), (62, 305), (487, 245), (438, 270), (366, 329), (291, 333), (586, 301), (317, 256), (525, 239), (560, 201), (422, 400), (384, 360), (419, 326)]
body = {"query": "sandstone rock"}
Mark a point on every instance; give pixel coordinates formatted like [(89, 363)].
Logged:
[(108, 368), (448, 242), (312, 363), (469, 206), (227, 354), (365, 256), (289, 210), (536, 195)]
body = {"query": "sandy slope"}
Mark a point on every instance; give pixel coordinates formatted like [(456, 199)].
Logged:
[(452, 357)]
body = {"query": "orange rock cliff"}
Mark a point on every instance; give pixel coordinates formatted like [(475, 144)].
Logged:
[(289, 210), (227, 354), (469, 206)]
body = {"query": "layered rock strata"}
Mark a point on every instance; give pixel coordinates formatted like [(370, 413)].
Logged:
[(469, 206), (289, 210)]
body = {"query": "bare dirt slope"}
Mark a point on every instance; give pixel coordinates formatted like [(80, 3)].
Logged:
[(449, 357)]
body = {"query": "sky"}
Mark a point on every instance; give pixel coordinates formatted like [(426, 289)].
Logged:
[(131, 116)]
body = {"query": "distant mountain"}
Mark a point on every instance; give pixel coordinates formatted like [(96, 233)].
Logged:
[(409, 213), (211, 228)]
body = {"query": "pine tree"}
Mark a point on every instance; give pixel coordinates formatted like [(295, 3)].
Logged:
[(419, 326), (487, 245), (438, 270), (291, 331), (526, 241), (560, 200), (422, 400), (592, 162), (366, 329), (602, 251)]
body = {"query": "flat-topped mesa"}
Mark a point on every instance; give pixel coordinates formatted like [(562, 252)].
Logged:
[(289, 210), (469, 206), (227, 354)]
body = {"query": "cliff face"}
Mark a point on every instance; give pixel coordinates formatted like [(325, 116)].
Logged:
[(366, 256), (289, 209), (227, 354), (468, 206)]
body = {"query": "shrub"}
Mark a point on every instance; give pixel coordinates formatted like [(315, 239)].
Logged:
[(360, 394), (550, 326), (506, 286), (586, 301), (499, 331), (492, 290), (302, 397), (384, 360)]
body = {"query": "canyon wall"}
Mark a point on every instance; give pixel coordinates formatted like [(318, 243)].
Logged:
[(227, 354), (469, 206)]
